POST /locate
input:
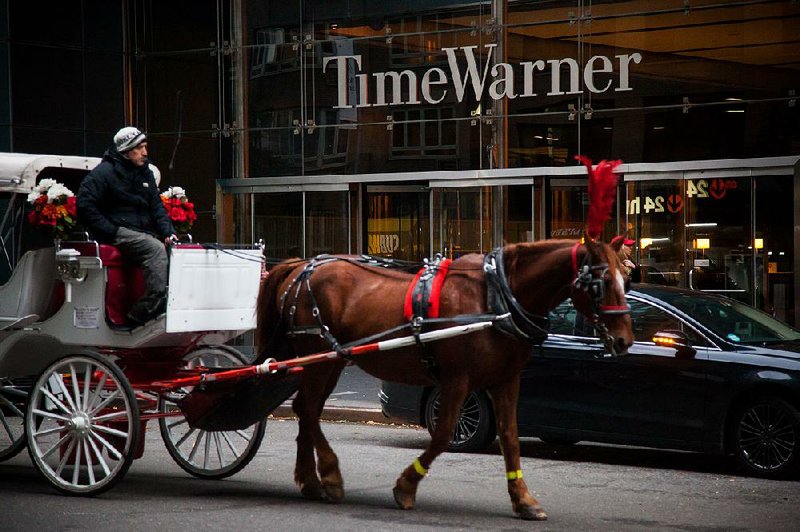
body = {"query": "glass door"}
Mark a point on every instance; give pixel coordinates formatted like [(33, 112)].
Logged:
[(398, 222), (719, 236)]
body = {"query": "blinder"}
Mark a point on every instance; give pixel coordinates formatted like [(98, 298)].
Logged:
[(595, 286)]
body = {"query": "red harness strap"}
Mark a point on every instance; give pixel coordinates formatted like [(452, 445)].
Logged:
[(414, 297)]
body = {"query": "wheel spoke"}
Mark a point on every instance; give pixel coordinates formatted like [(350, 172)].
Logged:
[(207, 450), (50, 415), (65, 457), (64, 439), (59, 380), (231, 446), (76, 467), (109, 430), (6, 426), (87, 387), (8, 404), (56, 401), (98, 454), (196, 445), (110, 448), (218, 445), (96, 393), (105, 402), (89, 463), (112, 415), (184, 438), (75, 386)]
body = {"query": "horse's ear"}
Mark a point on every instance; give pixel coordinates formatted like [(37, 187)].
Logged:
[(616, 243), (586, 237)]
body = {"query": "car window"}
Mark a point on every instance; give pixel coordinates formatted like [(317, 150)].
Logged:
[(564, 319), (647, 320)]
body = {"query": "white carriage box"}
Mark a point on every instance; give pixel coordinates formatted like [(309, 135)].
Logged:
[(213, 289)]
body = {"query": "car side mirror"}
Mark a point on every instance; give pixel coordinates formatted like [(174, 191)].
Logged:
[(675, 339)]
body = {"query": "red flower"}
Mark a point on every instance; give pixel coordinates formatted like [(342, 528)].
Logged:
[(179, 209)]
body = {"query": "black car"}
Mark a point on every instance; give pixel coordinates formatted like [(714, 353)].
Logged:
[(706, 373)]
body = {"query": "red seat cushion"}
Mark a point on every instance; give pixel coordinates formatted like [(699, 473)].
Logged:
[(125, 281)]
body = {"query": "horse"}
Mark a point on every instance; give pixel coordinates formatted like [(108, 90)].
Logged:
[(309, 306)]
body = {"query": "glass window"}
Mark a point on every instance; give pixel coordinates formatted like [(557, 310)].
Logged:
[(655, 210), (278, 220), (567, 210), (463, 221), (327, 223), (398, 223)]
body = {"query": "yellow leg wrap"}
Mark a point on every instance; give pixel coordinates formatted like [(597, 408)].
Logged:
[(419, 469), (514, 475)]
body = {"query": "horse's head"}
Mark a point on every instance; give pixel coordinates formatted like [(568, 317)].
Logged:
[(598, 292)]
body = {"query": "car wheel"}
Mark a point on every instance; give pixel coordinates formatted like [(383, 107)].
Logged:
[(475, 427), (766, 437)]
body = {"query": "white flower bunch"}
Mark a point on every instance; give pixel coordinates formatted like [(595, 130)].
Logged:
[(174, 192), (51, 188)]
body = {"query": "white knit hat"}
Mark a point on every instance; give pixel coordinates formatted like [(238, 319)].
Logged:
[(128, 138)]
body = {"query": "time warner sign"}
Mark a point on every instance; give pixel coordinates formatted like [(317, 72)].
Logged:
[(437, 82)]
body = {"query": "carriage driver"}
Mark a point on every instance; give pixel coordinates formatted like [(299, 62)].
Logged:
[(118, 202)]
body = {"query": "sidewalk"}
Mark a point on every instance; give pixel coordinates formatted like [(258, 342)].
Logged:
[(354, 399)]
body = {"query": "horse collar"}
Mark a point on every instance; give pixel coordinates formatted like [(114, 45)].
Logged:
[(500, 300)]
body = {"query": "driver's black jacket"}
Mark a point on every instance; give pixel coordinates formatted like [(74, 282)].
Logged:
[(116, 193)]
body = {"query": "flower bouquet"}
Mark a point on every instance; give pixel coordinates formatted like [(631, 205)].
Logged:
[(54, 208), (179, 209)]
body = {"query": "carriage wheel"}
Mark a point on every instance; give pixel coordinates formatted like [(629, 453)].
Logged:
[(475, 426), (202, 453), (13, 397), (82, 424)]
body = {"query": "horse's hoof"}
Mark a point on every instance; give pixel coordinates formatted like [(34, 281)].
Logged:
[(312, 492), (532, 513), (403, 499), (334, 494)]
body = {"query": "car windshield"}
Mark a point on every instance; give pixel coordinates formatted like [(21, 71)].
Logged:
[(732, 320)]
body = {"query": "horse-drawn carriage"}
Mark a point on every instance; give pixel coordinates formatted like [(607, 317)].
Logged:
[(78, 383), (78, 386)]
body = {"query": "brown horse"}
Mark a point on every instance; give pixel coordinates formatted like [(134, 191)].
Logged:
[(310, 306)]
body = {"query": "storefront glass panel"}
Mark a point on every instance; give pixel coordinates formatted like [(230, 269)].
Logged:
[(719, 236), (655, 212), (327, 223), (398, 223), (567, 208), (773, 245), (278, 220), (520, 208), (462, 221)]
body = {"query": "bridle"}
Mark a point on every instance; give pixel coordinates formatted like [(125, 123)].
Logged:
[(594, 286)]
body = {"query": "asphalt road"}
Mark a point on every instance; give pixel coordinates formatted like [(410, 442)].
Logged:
[(583, 487)]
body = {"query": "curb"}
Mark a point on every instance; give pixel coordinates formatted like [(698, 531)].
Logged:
[(342, 413)]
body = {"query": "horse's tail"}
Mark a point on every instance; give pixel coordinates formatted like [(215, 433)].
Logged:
[(271, 331)]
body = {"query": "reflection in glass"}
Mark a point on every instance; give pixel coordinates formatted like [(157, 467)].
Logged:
[(327, 223), (398, 223), (464, 220), (278, 220)]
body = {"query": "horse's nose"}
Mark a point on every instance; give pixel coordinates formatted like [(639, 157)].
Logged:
[(621, 346)]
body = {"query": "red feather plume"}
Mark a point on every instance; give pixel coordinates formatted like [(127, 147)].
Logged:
[(602, 192)]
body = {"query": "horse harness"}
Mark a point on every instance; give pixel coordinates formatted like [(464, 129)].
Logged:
[(596, 288), (421, 304)]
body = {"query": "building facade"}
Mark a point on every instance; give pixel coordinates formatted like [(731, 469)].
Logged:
[(405, 129)]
